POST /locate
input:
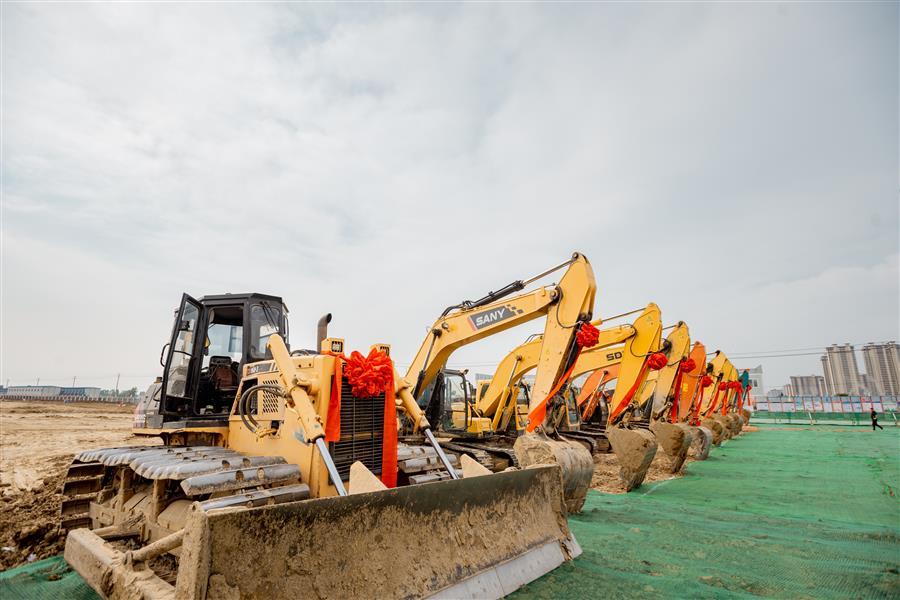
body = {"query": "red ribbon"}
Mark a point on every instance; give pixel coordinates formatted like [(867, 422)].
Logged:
[(744, 396), (686, 366), (705, 382), (368, 377), (586, 337), (719, 389), (735, 386), (655, 361)]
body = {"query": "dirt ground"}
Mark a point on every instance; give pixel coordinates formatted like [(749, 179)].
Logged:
[(37, 443)]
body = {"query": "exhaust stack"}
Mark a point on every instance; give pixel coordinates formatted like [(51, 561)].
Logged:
[(322, 330)]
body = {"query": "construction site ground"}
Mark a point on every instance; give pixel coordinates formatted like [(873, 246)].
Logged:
[(789, 512)]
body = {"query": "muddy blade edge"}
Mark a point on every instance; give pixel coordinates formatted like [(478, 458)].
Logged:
[(481, 537)]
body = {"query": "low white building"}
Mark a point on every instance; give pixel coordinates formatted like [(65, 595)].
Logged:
[(33, 391)]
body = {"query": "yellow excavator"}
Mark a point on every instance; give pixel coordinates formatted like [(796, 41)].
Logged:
[(685, 400), (500, 397), (277, 476), (660, 397), (434, 394), (721, 377), (657, 400)]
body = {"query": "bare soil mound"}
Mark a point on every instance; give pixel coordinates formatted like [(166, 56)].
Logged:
[(37, 443)]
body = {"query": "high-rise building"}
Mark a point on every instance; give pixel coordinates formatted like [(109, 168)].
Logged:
[(841, 371), (808, 385), (883, 367)]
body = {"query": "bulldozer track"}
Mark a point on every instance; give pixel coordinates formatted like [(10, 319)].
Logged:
[(81, 486), (481, 456)]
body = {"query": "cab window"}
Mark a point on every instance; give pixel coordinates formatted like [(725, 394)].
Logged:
[(265, 319)]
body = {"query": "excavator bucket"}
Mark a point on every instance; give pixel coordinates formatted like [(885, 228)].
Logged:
[(576, 464), (718, 431), (479, 537), (675, 440), (735, 424), (635, 449), (725, 424), (703, 438)]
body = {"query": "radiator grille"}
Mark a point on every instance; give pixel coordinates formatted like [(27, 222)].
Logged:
[(362, 432)]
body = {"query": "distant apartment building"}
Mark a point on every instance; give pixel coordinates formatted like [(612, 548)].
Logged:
[(787, 390), (883, 367), (841, 371), (808, 385)]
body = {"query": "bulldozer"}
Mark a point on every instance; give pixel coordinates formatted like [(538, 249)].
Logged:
[(277, 476), (434, 394), (499, 397)]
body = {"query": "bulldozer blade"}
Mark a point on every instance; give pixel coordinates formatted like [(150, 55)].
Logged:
[(481, 537), (675, 440), (635, 449), (702, 441), (574, 459), (718, 431)]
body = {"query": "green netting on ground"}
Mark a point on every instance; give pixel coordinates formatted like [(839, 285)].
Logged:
[(787, 512), (44, 580), (886, 419)]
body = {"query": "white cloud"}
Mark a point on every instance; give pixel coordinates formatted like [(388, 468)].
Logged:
[(383, 163)]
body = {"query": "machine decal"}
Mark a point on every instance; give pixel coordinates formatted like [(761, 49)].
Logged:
[(489, 317)]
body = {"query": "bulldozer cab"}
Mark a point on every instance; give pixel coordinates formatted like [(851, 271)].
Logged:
[(212, 339)]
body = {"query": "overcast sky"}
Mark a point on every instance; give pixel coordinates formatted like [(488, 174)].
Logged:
[(735, 163)]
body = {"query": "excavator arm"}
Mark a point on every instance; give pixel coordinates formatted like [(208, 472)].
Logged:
[(565, 305), (495, 399), (663, 389)]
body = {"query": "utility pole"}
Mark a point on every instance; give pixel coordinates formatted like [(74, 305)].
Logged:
[(117, 383), (73, 380), (38, 382)]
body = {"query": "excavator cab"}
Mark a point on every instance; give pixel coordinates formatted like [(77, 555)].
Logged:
[(213, 338), (448, 400)]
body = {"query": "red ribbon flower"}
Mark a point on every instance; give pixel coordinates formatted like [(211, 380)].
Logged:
[(587, 336), (706, 381), (370, 375), (657, 361), (688, 365)]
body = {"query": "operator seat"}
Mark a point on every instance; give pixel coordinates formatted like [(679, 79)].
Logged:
[(222, 375)]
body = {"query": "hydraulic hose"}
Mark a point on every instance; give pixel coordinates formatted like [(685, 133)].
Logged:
[(244, 401)]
